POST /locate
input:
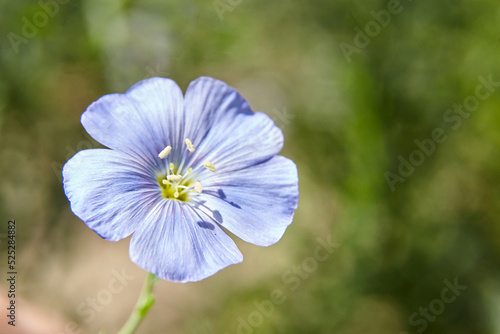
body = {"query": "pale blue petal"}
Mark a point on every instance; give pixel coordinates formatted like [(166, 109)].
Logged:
[(256, 203), (224, 130), (110, 191), (143, 121), (178, 244)]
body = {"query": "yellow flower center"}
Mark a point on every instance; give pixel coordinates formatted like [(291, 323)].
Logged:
[(178, 185)]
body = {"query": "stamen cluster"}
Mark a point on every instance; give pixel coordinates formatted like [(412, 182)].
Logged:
[(180, 185)]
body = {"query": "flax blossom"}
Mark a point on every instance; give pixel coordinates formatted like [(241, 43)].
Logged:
[(179, 171)]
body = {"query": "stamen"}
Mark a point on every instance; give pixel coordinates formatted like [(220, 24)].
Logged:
[(174, 178), (189, 145), (208, 165), (181, 184), (163, 154)]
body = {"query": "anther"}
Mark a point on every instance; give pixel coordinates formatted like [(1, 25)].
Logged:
[(163, 154), (174, 177), (198, 188), (208, 165), (189, 145)]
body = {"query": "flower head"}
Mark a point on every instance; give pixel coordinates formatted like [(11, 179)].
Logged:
[(179, 170)]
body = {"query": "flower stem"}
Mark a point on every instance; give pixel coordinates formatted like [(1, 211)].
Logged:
[(144, 303)]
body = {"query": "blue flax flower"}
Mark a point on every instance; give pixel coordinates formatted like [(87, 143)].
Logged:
[(178, 171)]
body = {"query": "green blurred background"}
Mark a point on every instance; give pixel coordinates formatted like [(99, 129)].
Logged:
[(352, 106)]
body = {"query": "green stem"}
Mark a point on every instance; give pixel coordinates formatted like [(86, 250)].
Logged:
[(144, 303)]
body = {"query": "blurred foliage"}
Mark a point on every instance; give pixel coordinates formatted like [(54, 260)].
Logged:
[(346, 124)]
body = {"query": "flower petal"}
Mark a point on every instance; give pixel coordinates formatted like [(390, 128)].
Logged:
[(256, 203), (109, 191), (143, 121), (223, 128), (178, 244)]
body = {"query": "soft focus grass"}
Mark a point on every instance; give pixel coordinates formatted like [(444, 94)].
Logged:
[(345, 125)]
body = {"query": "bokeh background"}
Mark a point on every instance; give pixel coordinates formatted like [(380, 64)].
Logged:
[(352, 106)]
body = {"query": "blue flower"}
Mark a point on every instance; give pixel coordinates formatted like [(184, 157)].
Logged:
[(179, 171)]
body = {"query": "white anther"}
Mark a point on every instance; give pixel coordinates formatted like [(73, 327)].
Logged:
[(189, 145), (174, 177), (163, 154), (171, 167), (198, 188), (208, 165)]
